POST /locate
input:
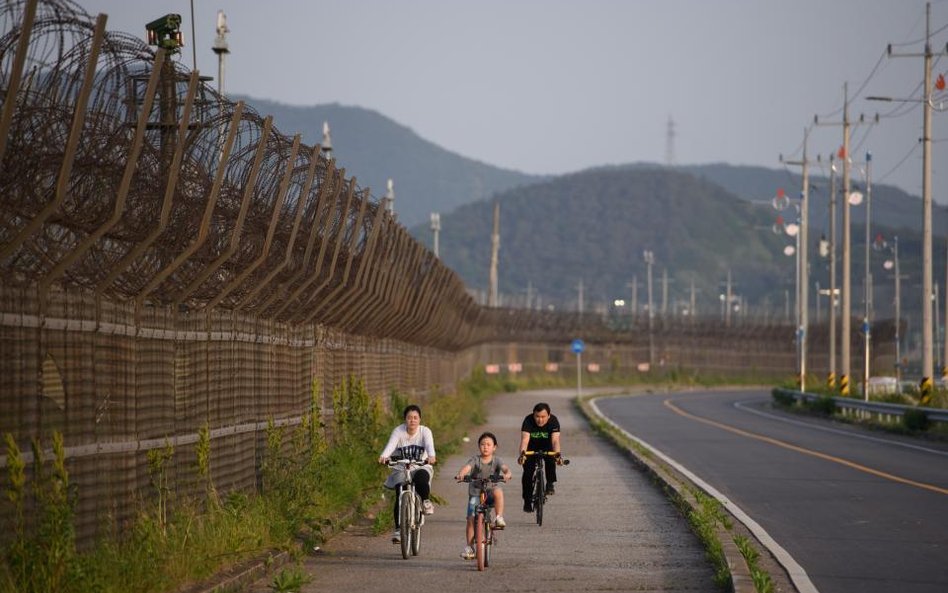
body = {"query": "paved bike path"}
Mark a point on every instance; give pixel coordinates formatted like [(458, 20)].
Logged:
[(606, 529)]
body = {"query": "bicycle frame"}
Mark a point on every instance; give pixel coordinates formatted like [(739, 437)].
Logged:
[(410, 516), (539, 478), (484, 536)]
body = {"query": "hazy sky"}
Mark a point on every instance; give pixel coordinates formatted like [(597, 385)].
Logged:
[(553, 86)]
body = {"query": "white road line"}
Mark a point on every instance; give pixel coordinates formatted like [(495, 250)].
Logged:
[(799, 577), (742, 406)]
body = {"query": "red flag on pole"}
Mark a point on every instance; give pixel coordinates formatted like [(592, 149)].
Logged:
[(940, 82), (842, 152)]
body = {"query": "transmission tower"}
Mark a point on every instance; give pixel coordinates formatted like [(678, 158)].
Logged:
[(670, 143)]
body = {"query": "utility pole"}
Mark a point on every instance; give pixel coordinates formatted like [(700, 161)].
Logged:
[(635, 297), (847, 260), (727, 301), (846, 291), (664, 294), (803, 274), (831, 378), (692, 306), (867, 313), (579, 305), (649, 258), (926, 384), (494, 249)]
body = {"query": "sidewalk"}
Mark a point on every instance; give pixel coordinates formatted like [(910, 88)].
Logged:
[(607, 527)]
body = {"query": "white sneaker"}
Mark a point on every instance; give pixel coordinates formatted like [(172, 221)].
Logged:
[(499, 523), (397, 536), (468, 553), (427, 508)]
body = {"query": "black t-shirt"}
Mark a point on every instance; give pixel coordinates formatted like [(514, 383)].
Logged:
[(541, 438)]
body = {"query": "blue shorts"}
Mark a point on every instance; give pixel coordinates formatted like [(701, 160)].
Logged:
[(473, 501)]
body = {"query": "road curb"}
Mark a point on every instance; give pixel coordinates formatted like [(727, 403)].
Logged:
[(672, 483)]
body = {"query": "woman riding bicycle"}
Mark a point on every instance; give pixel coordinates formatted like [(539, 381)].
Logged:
[(483, 465), (540, 431), (411, 440)]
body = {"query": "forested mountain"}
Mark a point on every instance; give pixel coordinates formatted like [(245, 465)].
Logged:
[(373, 148), (593, 226)]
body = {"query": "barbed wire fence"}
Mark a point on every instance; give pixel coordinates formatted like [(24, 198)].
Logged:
[(171, 260)]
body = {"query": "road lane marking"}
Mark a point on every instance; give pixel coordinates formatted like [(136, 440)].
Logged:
[(745, 408), (824, 456)]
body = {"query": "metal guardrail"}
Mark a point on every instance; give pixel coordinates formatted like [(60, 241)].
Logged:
[(862, 407)]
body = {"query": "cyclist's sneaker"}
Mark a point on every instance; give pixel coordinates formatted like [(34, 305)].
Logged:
[(427, 507), (397, 537), (527, 506), (499, 523), (468, 553), (550, 490)]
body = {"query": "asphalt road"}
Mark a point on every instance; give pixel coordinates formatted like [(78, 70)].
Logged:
[(860, 510), (608, 528)]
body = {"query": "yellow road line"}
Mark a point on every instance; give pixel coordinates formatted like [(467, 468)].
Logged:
[(851, 464)]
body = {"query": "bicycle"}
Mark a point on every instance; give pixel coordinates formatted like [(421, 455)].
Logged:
[(484, 536), (410, 513), (539, 478)]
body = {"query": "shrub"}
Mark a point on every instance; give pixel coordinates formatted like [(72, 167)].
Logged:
[(783, 398), (915, 420), (824, 404)]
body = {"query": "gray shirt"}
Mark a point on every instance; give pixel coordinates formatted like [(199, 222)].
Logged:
[(479, 469)]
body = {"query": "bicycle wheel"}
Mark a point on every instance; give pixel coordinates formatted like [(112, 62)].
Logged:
[(405, 515), (539, 497), (480, 542), (416, 531), (488, 543)]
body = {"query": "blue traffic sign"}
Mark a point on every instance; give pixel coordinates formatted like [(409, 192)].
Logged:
[(578, 346)]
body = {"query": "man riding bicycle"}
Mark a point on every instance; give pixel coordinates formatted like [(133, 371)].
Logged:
[(540, 431)]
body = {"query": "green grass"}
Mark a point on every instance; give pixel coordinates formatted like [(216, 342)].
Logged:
[(762, 581), (301, 503)]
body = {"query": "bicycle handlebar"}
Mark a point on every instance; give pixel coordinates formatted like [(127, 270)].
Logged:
[(392, 462), (494, 479), (554, 454)]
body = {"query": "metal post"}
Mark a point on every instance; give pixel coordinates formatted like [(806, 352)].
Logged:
[(846, 292), (436, 229), (927, 370), (944, 360), (898, 313), (579, 374), (649, 260), (831, 378), (867, 313)]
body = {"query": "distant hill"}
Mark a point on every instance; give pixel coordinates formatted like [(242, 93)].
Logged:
[(594, 226), (892, 208), (374, 148)]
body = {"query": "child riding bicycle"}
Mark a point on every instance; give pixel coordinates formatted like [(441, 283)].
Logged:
[(483, 465)]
